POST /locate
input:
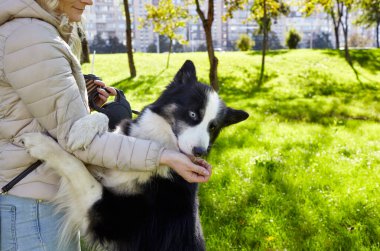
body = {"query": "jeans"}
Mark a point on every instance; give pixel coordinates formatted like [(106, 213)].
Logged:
[(29, 224)]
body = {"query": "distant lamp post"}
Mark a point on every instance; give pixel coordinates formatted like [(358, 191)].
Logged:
[(311, 40), (158, 43)]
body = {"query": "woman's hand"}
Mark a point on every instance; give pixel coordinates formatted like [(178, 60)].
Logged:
[(103, 95), (194, 170)]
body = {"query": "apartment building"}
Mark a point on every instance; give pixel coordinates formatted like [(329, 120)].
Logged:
[(106, 17)]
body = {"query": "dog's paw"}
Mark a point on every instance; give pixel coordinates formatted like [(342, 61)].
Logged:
[(85, 129), (39, 146)]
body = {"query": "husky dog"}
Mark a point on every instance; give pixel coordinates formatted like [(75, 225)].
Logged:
[(141, 210)]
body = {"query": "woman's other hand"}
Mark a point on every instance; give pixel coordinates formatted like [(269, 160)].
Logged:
[(103, 94), (194, 170)]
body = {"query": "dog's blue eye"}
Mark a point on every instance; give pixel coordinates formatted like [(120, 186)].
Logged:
[(192, 115)]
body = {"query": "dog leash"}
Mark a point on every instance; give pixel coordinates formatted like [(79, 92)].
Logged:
[(19, 177)]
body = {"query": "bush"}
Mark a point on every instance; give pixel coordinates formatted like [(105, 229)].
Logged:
[(152, 48), (292, 39), (201, 47), (273, 41), (322, 41), (244, 43)]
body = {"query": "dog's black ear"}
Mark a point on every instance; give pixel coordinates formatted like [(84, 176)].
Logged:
[(186, 74), (234, 116)]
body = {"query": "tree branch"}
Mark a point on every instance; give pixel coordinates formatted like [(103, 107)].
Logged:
[(200, 12)]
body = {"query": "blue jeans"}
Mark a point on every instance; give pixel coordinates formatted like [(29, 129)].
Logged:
[(29, 224)]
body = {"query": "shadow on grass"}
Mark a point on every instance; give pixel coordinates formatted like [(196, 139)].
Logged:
[(141, 82), (366, 58), (322, 111), (268, 53), (321, 100), (248, 84)]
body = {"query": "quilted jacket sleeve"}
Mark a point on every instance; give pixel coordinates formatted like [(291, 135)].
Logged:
[(40, 67)]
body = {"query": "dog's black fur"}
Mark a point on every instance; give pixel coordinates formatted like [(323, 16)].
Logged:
[(164, 216)]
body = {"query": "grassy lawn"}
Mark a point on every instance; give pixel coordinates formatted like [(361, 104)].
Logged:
[(303, 172)]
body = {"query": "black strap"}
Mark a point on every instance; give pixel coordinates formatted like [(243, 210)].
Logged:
[(19, 177)]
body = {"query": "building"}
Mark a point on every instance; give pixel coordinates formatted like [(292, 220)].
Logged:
[(142, 36), (308, 27), (106, 17)]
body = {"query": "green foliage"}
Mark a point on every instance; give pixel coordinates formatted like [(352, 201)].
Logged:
[(233, 5), (166, 19), (370, 12), (274, 9), (321, 40), (244, 43), (274, 42), (292, 39), (302, 173)]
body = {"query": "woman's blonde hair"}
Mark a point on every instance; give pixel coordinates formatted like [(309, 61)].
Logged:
[(66, 28)]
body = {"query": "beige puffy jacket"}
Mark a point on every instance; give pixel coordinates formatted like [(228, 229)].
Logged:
[(42, 90)]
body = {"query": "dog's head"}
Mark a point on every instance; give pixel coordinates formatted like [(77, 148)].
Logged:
[(195, 112)]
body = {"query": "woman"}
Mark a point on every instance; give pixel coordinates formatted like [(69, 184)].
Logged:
[(42, 89)]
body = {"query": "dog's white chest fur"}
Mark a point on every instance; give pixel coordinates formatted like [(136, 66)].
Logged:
[(150, 126)]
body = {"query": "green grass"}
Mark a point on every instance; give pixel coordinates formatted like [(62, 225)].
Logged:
[(303, 172)]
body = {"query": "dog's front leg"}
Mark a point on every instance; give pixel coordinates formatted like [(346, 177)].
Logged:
[(85, 129), (79, 189)]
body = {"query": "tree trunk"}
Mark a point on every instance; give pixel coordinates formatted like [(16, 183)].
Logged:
[(132, 68), (345, 32), (337, 21), (85, 52), (263, 58), (213, 75), (336, 30), (377, 34), (170, 52), (207, 25), (85, 56), (265, 43), (336, 24)]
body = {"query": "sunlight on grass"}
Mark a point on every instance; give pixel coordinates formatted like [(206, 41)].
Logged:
[(302, 173)]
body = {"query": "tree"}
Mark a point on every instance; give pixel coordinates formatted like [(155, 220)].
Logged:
[(178, 47), (263, 11), (111, 45), (85, 53), (166, 18), (322, 40), (164, 43), (201, 47), (131, 62), (207, 25), (114, 45), (356, 40), (292, 39), (99, 44), (207, 21), (334, 8), (370, 15), (346, 9), (244, 43), (151, 48)]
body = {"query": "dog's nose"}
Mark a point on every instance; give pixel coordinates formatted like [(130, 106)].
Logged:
[(199, 151)]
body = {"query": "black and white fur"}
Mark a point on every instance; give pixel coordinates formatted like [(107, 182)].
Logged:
[(127, 210)]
